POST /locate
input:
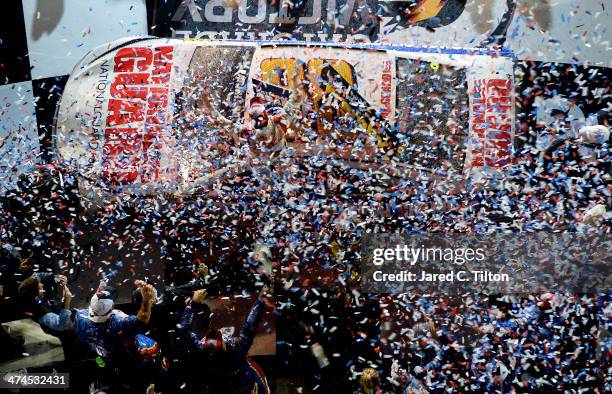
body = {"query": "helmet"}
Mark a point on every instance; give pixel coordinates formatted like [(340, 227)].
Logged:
[(148, 353), (258, 113)]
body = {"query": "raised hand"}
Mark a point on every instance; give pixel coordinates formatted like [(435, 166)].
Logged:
[(147, 293), (199, 296)]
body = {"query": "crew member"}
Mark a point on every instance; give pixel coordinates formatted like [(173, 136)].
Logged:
[(229, 353)]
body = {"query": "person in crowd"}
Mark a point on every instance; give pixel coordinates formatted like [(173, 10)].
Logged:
[(46, 299), (230, 352), (143, 362), (268, 124), (103, 329), (370, 381)]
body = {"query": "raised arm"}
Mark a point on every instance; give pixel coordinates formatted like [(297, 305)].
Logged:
[(67, 296), (297, 96), (243, 342), (205, 344), (230, 127), (59, 321), (251, 323), (227, 172), (144, 314), (205, 101)]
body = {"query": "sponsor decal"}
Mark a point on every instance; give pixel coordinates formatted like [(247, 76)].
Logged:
[(365, 101), (385, 88), (136, 113), (491, 123)]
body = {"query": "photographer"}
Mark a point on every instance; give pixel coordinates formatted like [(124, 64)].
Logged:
[(46, 299)]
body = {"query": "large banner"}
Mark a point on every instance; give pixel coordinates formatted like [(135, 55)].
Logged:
[(564, 31), (327, 20)]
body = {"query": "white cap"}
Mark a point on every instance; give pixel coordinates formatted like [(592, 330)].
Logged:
[(100, 307)]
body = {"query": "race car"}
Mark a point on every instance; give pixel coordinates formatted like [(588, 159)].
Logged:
[(151, 116)]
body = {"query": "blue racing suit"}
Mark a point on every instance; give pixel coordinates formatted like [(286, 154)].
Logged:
[(106, 338)]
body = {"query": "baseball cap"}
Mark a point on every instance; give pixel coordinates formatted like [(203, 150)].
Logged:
[(101, 306)]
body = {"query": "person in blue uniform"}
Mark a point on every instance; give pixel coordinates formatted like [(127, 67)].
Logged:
[(102, 329)]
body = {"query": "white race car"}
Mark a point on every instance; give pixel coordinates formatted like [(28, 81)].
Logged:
[(150, 115)]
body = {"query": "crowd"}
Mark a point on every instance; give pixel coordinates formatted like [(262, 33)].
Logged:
[(305, 217), (107, 350)]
